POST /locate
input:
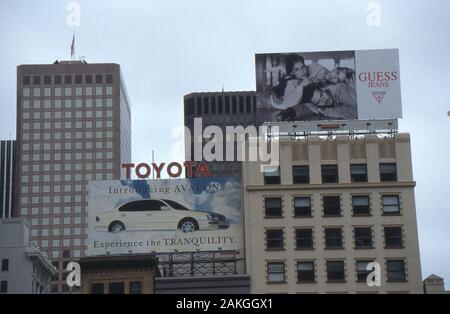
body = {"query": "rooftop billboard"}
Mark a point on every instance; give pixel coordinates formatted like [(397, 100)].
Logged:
[(160, 216), (328, 85)]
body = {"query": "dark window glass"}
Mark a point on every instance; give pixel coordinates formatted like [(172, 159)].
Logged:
[(361, 205), (248, 104), (273, 207), (391, 204), (189, 107), (396, 270), (88, 79), (333, 238), (361, 270), (227, 104), (67, 79), (393, 237), (241, 104), (109, 79), (331, 206), (275, 272), (304, 238), (358, 173), (5, 264), (213, 105), (78, 79), (58, 79), (305, 272), (300, 174), (199, 107), (116, 288), (206, 105), (274, 239), (36, 80), (135, 287), (330, 174), (3, 286), (302, 206), (363, 237), (99, 79), (25, 80), (138, 206), (97, 288), (335, 271), (272, 177), (388, 172), (234, 103), (47, 80), (220, 109), (66, 253)]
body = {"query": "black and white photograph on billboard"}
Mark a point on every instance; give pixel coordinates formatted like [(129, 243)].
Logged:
[(328, 85), (306, 86)]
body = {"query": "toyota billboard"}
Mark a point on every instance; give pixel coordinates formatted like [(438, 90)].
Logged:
[(160, 216), (328, 85)]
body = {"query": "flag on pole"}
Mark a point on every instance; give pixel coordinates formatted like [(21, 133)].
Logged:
[(72, 47)]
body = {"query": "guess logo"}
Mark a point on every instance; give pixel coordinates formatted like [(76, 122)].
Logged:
[(379, 95)]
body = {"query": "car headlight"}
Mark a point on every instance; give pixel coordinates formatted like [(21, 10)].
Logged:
[(214, 216)]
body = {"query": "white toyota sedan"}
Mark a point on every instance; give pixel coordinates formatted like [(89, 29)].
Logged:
[(157, 214)]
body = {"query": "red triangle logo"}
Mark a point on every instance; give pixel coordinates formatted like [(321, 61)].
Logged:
[(378, 96)]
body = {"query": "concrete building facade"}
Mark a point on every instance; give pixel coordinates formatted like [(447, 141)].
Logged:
[(24, 268), (73, 125), (331, 207)]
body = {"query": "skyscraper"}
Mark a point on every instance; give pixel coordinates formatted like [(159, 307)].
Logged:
[(7, 175), (73, 125)]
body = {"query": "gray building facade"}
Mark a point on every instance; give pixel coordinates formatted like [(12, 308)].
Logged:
[(7, 177), (24, 268)]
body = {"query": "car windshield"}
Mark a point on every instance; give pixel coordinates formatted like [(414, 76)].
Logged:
[(176, 205)]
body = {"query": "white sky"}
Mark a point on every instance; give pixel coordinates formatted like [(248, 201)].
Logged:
[(170, 48)]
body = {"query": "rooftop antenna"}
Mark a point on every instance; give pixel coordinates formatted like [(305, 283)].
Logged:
[(223, 88)]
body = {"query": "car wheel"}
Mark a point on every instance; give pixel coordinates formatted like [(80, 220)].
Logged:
[(116, 227), (188, 225)]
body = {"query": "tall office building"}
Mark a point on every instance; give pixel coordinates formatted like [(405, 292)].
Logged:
[(333, 206), (73, 125), (220, 109), (7, 177)]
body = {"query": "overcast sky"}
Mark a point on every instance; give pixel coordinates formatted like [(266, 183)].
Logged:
[(168, 48)]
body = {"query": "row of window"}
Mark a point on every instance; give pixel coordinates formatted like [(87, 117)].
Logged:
[(67, 146), (330, 173), (335, 271), (333, 236), (331, 206), (98, 124), (67, 135), (55, 210), (67, 79), (135, 287), (68, 156), (37, 104), (66, 92), (25, 200), (226, 104)]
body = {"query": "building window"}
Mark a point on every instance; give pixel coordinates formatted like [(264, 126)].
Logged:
[(274, 239), (304, 239), (395, 270), (393, 237), (335, 271), (88, 79), (99, 79), (330, 174), (333, 238), (361, 205), (67, 79), (358, 172), (3, 286), (78, 79), (25, 80), (58, 80), (391, 204), (47, 80), (331, 206), (5, 264), (273, 207), (302, 206), (275, 272), (305, 272), (361, 270), (116, 288), (272, 176), (97, 288), (300, 174), (388, 172), (36, 80), (109, 79), (363, 237), (135, 287), (66, 253)]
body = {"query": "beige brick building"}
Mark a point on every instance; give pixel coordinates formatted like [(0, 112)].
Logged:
[(333, 206)]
